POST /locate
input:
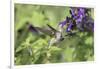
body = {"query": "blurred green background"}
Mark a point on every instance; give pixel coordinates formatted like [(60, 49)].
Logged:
[(32, 49)]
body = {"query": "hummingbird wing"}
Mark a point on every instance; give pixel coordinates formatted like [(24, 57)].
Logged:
[(39, 31), (44, 31)]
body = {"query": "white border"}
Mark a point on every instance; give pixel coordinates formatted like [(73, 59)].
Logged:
[(12, 36), (76, 3)]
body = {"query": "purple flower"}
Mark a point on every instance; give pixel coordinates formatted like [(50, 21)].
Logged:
[(81, 11), (63, 23), (79, 19), (69, 28)]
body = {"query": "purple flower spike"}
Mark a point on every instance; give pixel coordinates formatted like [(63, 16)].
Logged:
[(79, 19)]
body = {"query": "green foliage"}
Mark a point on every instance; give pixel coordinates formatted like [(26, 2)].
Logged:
[(33, 49)]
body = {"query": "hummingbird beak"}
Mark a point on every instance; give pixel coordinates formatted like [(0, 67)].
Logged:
[(54, 30)]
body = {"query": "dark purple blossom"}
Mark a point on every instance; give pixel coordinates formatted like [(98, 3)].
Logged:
[(69, 28), (79, 18), (63, 23)]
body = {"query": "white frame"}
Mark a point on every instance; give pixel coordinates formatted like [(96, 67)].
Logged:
[(76, 3)]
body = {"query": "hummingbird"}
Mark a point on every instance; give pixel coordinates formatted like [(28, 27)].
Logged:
[(56, 35)]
